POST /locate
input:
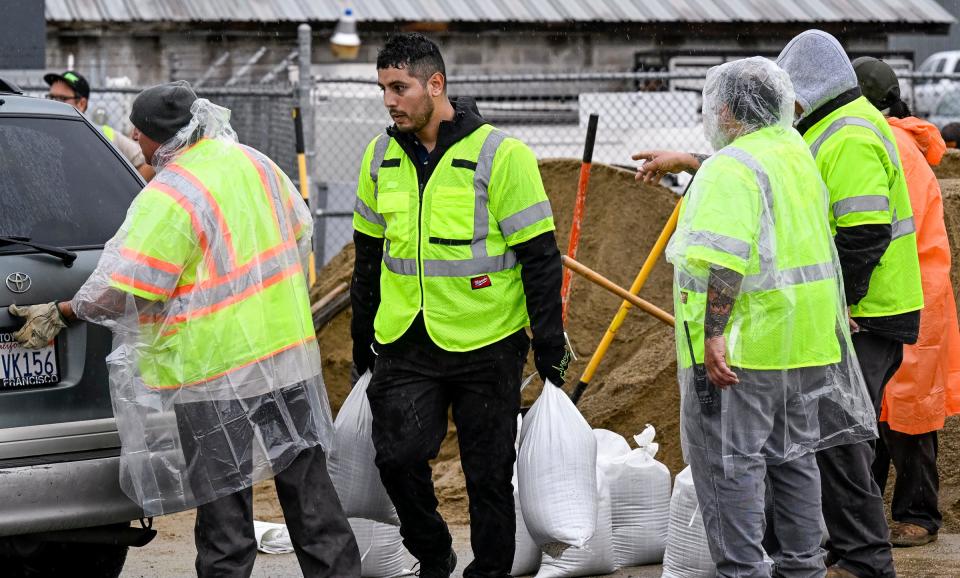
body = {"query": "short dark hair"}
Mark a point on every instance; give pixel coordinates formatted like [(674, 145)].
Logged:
[(415, 52), (951, 133)]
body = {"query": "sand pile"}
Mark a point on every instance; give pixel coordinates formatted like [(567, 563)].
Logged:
[(949, 167), (636, 383)]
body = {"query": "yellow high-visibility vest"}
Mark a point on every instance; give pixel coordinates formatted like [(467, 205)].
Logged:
[(447, 247)]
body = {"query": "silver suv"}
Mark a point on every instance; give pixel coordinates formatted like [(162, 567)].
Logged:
[(64, 191)]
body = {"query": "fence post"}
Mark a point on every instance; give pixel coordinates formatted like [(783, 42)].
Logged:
[(305, 101)]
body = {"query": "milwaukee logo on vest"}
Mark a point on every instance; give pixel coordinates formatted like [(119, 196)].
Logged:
[(480, 282)]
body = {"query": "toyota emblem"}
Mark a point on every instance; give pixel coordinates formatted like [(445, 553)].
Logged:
[(19, 282)]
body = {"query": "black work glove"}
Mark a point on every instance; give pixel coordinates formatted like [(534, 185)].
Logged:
[(552, 359), (363, 355)]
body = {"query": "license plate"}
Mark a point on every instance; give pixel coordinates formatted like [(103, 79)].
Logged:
[(22, 367)]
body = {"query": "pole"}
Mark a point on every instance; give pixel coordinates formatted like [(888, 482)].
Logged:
[(594, 277), (304, 123), (304, 186), (618, 319), (578, 208)]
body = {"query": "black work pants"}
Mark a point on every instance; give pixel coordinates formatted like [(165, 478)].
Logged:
[(224, 535), (852, 501), (917, 484), (414, 384)]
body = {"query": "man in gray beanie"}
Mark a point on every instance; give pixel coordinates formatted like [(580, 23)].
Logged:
[(875, 236), (215, 377), (159, 112)]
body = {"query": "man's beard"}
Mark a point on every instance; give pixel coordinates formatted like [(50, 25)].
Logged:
[(419, 119)]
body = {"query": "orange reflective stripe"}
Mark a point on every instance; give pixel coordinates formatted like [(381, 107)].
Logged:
[(140, 284), (260, 260), (222, 228), (260, 359), (153, 262), (194, 220), (226, 302)]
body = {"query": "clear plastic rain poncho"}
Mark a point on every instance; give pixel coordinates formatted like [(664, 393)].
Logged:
[(756, 213), (215, 373)]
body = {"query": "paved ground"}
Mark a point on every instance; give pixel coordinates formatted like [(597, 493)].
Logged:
[(172, 553)]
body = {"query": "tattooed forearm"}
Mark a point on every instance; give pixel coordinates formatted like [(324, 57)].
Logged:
[(722, 290)]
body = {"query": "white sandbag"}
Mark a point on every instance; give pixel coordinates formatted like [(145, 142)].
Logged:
[(596, 557), (526, 557), (640, 498), (610, 445), (557, 471), (687, 554), (382, 554), (272, 538), (351, 460)]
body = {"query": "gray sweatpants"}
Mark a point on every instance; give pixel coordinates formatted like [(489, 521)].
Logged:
[(733, 506)]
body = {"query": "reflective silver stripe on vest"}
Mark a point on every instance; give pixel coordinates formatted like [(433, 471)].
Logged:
[(275, 188), (861, 204), (469, 267), (902, 228), (397, 265), (165, 281), (722, 243), (766, 282), (861, 122), (767, 240), (523, 219), (379, 153), (368, 213), (215, 237), (202, 297), (481, 183), (769, 277)]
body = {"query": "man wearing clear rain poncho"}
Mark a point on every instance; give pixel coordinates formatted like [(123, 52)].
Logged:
[(759, 304), (215, 375)]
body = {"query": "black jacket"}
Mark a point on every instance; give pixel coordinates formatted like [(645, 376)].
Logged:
[(860, 249), (541, 269)]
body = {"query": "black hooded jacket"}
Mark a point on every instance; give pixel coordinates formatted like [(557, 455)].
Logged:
[(541, 269)]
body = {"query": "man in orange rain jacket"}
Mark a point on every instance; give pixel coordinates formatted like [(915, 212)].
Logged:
[(926, 388)]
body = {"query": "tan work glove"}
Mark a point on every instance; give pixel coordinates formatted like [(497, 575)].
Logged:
[(43, 323)]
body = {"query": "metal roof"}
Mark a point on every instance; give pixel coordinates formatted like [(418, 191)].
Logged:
[(539, 11)]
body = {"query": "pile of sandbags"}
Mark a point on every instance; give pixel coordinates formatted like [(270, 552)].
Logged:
[(687, 554), (588, 501)]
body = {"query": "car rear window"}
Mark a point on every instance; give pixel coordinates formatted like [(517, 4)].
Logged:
[(59, 183)]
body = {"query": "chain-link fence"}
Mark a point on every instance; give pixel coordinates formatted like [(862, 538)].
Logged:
[(637, 111), (261, 116)]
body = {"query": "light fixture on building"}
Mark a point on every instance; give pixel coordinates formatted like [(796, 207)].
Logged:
[(345, 43)]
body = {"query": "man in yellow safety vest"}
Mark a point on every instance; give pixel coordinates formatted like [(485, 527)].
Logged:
[(455, 258), (215, 376)]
